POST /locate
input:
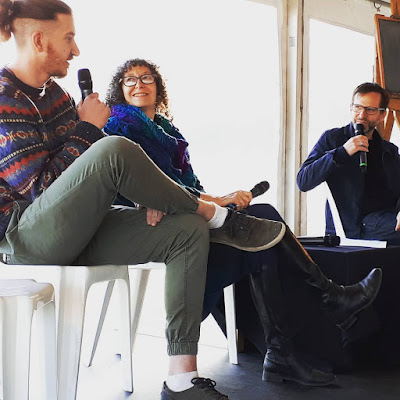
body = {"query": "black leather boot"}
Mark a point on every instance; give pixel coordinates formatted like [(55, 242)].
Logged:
[(279, 366), (343, 302), (281, 362)]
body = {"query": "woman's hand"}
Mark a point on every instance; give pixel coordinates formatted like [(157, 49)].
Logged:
[(241, 198), (154, 217)]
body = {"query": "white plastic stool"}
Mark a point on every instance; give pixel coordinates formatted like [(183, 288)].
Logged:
[(139, 278), (71, 286), (20, 298)]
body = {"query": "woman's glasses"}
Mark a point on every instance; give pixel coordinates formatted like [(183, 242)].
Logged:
[(130, 80)]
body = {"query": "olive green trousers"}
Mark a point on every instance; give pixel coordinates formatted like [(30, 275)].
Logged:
[(73, 222)]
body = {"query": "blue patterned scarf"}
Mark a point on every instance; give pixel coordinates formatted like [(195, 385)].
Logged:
[(160, 139)]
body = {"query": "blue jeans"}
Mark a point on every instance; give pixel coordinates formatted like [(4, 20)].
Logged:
[(380, 225)]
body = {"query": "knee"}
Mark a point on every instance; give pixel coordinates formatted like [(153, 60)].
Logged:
[(195, 228), (117, 145), (190, 235), (191, 230)]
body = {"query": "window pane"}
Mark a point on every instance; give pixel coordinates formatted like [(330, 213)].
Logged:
[(340, 59), (221, 65)]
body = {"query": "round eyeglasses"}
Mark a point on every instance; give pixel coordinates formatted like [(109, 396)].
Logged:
[(357, 108), (131, 80)]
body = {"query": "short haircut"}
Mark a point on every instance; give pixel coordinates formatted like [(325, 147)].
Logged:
[(42, 10), (369, 87)]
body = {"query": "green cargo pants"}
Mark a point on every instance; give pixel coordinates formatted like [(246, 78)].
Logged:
[(73, 223)]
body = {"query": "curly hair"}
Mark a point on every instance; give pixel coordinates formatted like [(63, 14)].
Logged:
[(115, 95), (44, 10)]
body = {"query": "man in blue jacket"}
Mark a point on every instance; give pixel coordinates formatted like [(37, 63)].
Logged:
[(368, 202)]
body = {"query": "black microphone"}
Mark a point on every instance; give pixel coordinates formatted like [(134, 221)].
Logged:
[(85, 82), (257, 190), (327, 240), (359, 130)]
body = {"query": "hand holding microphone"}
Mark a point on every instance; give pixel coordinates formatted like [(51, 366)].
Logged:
[(91, 109), (357, 143), (257, 190)]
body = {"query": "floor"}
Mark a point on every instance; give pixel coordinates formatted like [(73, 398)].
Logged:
[(102, 381)]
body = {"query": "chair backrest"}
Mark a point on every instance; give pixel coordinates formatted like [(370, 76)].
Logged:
[(344, 241), (337, 222)]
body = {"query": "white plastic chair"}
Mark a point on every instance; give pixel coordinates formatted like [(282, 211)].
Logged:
[(139, 281), (71, 285), (19, 300), (344, 241)]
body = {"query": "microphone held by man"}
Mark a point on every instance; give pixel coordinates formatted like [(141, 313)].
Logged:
[(359, 130), (85, 82), (91, 109)]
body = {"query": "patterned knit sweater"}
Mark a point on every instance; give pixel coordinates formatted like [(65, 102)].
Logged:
[(40, 136)]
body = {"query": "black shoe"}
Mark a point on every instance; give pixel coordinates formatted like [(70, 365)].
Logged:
[(248, 233), (344, 302), (278, 367), (203, 389)]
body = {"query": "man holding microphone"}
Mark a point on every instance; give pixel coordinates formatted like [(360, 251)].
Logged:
[(361, 169)]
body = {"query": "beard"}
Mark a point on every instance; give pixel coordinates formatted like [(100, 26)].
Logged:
[(368, 126), (55, 64)]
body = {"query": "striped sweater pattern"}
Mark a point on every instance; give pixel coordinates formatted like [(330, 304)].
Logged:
[(40, 136)]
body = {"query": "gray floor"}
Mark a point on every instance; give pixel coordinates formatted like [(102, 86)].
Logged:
[(103, 380)]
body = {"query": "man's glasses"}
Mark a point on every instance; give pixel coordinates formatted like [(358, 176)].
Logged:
[(130, 80), (357, 108)]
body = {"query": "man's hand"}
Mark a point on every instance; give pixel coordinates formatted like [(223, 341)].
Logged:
[(154, 217), (94, 111), (397, 228), (355, 144)]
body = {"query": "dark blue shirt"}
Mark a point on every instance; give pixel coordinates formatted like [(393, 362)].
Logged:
[(377, 194), (329, 161)]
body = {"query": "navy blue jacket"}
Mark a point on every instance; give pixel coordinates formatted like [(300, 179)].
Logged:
[(328, 161)]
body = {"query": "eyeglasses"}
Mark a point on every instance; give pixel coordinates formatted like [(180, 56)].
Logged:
[(357, 108), (130, 80)]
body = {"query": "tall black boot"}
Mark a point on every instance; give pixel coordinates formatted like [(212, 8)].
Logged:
[(281, 362), (344, 302)]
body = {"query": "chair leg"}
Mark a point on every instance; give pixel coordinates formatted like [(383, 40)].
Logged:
[(17, 327), (230, 318), (46, 324), (126, 338), (73, 294), (138, 289), (88, 359)]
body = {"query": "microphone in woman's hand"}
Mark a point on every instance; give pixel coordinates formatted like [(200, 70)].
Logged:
[(257, 190)]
